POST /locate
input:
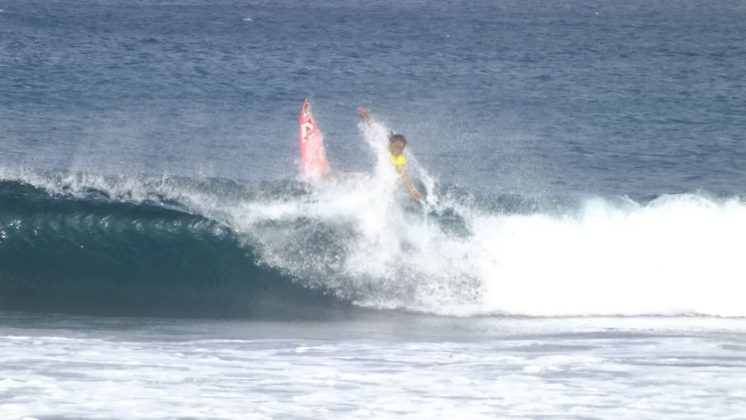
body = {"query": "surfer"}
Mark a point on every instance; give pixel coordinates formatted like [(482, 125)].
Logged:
[(397, 142)]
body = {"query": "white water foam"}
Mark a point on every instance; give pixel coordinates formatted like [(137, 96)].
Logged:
[(441, 368), (675, 255), (678, 254)]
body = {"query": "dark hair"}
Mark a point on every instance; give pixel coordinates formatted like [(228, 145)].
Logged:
[(397, 137)]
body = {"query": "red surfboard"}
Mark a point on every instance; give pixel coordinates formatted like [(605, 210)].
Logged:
[(312, 154)]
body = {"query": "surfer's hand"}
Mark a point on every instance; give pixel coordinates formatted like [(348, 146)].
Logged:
[(417, 196), (364, 114)]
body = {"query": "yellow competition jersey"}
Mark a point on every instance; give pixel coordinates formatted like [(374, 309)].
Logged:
[(399, 161)]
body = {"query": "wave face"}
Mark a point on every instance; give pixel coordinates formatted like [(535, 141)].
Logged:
[(184, 247), (85, 252)]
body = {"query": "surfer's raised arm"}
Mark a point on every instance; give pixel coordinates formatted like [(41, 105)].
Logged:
[(364, 115)]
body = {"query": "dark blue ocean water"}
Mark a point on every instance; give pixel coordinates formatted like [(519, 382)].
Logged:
[(634, 97), (578, 254)]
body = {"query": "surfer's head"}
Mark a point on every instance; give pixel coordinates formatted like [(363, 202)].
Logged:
[(397, 143)]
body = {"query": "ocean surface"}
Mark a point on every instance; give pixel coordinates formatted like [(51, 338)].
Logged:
[(578, 254)]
